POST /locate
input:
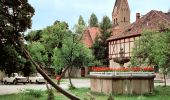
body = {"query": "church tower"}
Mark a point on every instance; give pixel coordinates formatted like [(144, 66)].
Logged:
[(121, 14)]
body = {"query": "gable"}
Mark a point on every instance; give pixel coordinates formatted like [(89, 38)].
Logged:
[(86, 39), (89, 36)]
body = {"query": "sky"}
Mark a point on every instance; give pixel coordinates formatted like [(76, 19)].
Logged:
[(47, 11)]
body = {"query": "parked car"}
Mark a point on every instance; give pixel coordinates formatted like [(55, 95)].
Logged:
[(15, 78), (36, 78)]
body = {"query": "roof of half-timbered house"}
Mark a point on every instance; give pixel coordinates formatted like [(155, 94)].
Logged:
[(152, 21)]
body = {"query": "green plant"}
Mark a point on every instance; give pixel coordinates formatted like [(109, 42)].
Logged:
[(71, 87), (50, 94), (34, 93)]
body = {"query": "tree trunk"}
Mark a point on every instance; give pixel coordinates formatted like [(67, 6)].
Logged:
[(48, 79), (164, 79), (62, 74), (69, 77)]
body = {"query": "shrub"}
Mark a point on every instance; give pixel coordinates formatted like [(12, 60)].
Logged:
[(34, 93), (50, 94)]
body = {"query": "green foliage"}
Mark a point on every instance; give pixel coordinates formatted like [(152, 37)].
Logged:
[(15, 18), (10, 60), (34, 93), (80, 26), (34, 36), (81, 21), (93, 22), (71, 87), (53, 36), (27, 69), (50, 94), (73, 53), (106, 24), (100, 47), (153, 49), (38, 53), (41, 43), (160, 93)]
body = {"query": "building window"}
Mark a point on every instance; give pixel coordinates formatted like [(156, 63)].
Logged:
[(116, 20), (124, 19)]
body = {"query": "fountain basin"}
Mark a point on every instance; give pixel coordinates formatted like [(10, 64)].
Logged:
[(122, 82)]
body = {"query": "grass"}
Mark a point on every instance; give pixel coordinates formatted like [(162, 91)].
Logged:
[(160, 93)]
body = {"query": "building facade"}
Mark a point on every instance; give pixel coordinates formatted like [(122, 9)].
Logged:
[(125, 34)]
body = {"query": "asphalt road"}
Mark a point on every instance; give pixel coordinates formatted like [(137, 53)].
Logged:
[(10, 89)]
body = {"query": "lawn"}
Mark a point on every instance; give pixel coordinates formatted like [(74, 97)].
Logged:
[(160, 93)]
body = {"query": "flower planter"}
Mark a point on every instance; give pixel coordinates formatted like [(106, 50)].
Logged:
[(121, 73)]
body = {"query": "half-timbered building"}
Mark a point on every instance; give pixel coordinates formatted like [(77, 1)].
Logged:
[(124, 40)]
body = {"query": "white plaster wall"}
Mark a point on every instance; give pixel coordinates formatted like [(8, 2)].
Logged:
[(116, 65)]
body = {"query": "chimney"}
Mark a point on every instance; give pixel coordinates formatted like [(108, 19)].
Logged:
[(137, 16)]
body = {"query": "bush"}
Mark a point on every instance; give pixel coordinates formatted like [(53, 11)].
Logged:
[(50, 94), (34, 93)]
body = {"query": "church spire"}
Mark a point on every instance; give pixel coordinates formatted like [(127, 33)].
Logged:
[(121, 14)]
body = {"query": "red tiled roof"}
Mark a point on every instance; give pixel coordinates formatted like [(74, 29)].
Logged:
[(154, 20), (89, 36)]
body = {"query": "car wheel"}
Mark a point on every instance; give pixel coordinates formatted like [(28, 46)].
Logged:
[(5, 82), (24, 83), (37, 82), (15, 82), (31, 81)]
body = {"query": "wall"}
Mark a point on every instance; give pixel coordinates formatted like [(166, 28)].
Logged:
[(115, 46), (76, 72), (122, 85)]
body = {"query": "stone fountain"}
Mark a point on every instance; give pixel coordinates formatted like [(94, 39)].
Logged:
[(121, 60)]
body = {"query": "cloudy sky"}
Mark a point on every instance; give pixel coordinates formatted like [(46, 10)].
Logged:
[(47, 11)]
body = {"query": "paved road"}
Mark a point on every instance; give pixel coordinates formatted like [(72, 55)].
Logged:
[(9, 89)]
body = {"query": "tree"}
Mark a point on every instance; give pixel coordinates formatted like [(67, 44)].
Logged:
[(10, 60), (80, 26), (15, 18), (93, 22), (38, 53), (33, 36), (153, 49), (81, 21), (48, 39), (100, 47), (72, 54)]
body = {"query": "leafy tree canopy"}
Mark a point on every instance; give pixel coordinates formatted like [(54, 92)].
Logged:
[(100, 47), (80, 26), (93, 21), (81, 21), (153, 49), (73, 53), (15, 18)]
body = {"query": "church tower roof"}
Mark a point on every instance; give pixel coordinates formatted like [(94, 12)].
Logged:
[(119, 4), (121, 15)]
